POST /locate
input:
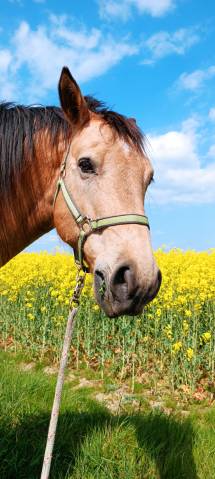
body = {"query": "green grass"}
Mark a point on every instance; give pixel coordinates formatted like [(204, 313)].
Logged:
[(91, 442)]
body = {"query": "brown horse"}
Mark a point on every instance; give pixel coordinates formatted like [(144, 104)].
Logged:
[(107, 173)]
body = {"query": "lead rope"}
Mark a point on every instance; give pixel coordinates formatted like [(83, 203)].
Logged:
[(74, 304)]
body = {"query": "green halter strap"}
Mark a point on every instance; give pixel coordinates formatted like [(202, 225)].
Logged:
[(87, 225)]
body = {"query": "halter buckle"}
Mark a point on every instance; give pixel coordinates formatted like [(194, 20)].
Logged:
[(86, 225)]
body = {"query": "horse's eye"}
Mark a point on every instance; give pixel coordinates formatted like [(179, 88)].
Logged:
[(86, 165)]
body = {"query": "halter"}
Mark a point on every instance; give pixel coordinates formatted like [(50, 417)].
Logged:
[(86, 225)]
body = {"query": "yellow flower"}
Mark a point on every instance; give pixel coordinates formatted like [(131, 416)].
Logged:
[(185, 327), (188, 313), (30, 316), (29, 305), (168, 331), (54, 293), (96, 307), (60, 298), (177, 347), (206, 336), (190, 354)]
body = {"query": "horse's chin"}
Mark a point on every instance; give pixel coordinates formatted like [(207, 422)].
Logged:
[(114, 308), (116, 312)]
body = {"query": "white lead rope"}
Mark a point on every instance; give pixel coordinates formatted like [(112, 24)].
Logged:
[(60, 379)]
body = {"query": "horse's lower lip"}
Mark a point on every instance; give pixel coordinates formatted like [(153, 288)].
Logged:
[(114, 308), (121, 311)]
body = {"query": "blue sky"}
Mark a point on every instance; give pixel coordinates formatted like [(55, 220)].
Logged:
[(149, 59)]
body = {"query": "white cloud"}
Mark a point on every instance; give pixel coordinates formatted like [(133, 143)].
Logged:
[(173, 148), (6, 85), (5, 60), (211, 152), (123, 8), (212, 114), (164, 43), (195, 80), (181, 176), (43, 52), (113, 9)]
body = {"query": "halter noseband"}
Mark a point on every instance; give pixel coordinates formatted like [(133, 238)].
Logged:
[(87, 226)]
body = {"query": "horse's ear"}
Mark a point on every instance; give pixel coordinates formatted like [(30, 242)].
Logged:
[(72, 100)]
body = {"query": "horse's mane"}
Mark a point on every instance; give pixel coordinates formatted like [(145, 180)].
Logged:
[(19, 124), (125, 127)]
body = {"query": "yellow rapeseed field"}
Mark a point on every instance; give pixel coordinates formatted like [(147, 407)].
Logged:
[(175, 335)]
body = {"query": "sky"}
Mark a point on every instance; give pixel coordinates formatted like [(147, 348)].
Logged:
[(149, 59)]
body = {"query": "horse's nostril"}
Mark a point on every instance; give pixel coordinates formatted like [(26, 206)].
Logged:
[(99, 275), (123, 282), (121, 275), (100, 283)]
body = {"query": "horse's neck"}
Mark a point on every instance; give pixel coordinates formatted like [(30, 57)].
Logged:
[(28, 214)]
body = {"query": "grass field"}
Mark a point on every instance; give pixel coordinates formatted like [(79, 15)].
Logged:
[(139, 399), (174, 338), (92, 442)]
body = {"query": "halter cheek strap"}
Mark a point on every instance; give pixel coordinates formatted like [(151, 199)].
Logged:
[(87, 226)]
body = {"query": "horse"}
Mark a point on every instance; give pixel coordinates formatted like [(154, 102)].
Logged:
[(66, 168)]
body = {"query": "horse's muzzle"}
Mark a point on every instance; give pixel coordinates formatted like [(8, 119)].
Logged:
[(120, 293)]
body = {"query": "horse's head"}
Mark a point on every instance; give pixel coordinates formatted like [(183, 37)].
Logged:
[(107, 174)]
